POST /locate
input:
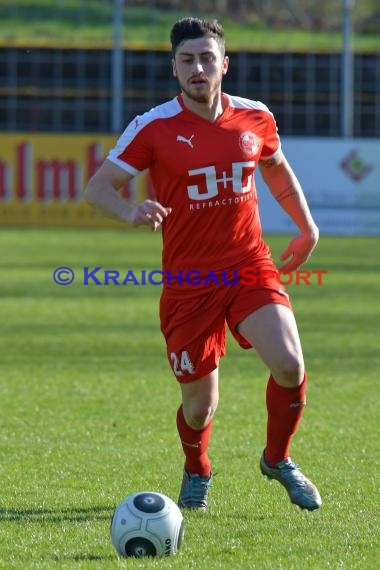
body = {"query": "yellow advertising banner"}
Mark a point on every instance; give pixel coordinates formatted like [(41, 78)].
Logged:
[(43, 176)]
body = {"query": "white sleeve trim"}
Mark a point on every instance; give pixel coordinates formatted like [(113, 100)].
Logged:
[(276, 154), (124, 165)]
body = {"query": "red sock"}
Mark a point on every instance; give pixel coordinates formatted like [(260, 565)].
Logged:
[(285, 407), (194, 444)]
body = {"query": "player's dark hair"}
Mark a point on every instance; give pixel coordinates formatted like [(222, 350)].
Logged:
[(193, 28)]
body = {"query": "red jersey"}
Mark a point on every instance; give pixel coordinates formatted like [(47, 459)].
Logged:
[(204, 171)]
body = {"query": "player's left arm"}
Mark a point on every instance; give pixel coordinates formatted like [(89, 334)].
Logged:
[(285, 187)]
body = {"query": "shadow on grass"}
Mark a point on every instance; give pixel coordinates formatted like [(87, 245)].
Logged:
[(59, 515), (74, 514), (94, 557)]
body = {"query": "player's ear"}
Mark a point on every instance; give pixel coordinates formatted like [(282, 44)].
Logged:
[(174, 68), (226, 62)]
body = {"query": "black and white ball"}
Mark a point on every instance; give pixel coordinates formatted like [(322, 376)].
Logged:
[(147, 524)]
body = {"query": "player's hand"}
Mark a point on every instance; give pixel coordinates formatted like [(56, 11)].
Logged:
[(149, 213), (299, 250)]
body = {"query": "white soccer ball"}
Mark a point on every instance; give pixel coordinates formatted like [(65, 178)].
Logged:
[(147, 524)]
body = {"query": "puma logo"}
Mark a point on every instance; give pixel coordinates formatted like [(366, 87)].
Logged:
[(180, 138)]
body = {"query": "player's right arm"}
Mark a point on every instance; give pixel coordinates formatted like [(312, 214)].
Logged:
[(102, 192)]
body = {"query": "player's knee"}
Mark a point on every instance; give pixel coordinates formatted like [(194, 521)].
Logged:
[(290, 371), (199, 415)]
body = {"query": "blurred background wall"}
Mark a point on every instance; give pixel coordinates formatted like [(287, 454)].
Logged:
[(86, 68)]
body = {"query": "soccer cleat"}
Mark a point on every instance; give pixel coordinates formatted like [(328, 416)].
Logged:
[(301, 491), (194, 491)]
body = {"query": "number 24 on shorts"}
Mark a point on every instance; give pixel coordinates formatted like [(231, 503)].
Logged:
[(183, 364)]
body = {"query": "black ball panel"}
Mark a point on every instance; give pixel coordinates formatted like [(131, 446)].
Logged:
[(149, 502), (139, 547)]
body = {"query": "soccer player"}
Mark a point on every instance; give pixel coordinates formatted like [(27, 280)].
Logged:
[(202, 148)]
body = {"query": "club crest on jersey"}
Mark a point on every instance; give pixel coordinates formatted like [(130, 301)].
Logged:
[(249, 143)]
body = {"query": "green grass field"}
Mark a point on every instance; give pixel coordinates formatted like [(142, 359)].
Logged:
[(88, 407)]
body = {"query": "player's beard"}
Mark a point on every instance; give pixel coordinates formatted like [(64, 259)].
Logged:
[(201, 97)]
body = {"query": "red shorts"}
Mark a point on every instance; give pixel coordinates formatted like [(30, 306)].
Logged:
[(194, 324)]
